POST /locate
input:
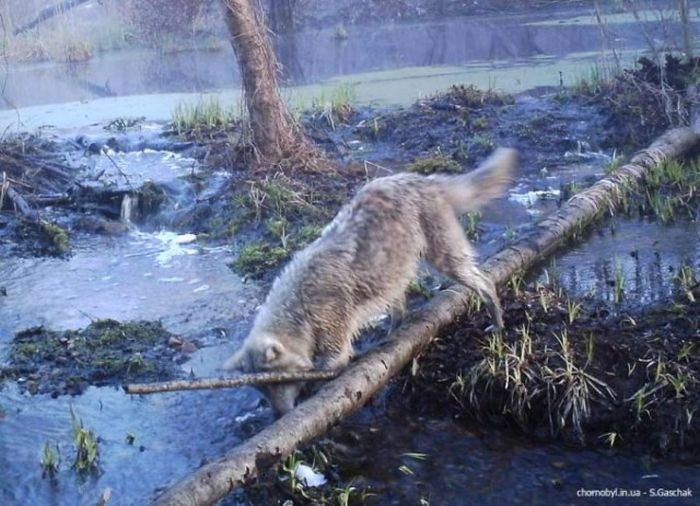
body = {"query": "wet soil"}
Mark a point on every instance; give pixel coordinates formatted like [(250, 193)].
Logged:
[(275, 211), (645, 362), (592, 373), (466, 124), (104, 353)]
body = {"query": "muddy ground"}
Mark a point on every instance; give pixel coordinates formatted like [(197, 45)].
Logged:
[(106, 352)]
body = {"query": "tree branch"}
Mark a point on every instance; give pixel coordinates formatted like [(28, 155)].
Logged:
[(259, 378)]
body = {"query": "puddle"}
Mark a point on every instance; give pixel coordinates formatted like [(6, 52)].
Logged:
[(170, 440), (157, 275), (646, 254)]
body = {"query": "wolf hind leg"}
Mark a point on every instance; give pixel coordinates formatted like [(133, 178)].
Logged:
[(450, 252)]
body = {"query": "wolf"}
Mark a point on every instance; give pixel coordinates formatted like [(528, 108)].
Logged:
[(362, 264)]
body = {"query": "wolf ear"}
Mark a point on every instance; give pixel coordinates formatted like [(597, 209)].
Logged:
[(236, 362), (273, 351)]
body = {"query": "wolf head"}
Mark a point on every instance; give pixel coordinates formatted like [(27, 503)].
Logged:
[(267, 353)]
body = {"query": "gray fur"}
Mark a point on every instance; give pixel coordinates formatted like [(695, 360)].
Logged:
[(361, 266)]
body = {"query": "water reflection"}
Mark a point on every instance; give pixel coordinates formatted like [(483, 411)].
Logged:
[(311, 56)]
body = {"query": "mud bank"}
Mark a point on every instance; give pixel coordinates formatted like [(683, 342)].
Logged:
[(104, 353)]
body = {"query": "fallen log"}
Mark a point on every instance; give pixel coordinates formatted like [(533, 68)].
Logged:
[(259, 378), (363, 378)]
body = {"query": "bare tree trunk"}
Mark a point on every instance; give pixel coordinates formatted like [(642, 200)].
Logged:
[(362, 379), (275, 134)]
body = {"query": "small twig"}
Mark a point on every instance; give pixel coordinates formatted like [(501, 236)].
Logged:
[(259, 378), (16, 182), (121, 172)]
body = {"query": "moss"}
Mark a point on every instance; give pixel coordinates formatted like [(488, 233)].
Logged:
[(483, 141), (58, 237), (25, 350), (433, 164), (419, 288), (481, 123), (307, 234), (282, 215), (278, 227), (257, 258)]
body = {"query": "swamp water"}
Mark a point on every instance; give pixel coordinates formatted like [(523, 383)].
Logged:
[(390, 64)]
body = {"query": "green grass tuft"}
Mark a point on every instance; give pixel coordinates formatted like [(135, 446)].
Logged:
[(435, 163)]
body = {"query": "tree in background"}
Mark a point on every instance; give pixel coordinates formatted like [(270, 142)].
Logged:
[(274, 134)]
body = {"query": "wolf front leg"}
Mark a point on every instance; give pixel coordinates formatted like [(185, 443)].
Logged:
[(337, 356)]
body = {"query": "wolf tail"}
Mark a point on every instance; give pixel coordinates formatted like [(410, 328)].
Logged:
[(469, 192)]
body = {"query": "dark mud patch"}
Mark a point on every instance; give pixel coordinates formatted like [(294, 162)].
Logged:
[(268, 212), (35, 171), (465, 124), (575, 370), (391, 457), (106, 352), (459, 123)]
